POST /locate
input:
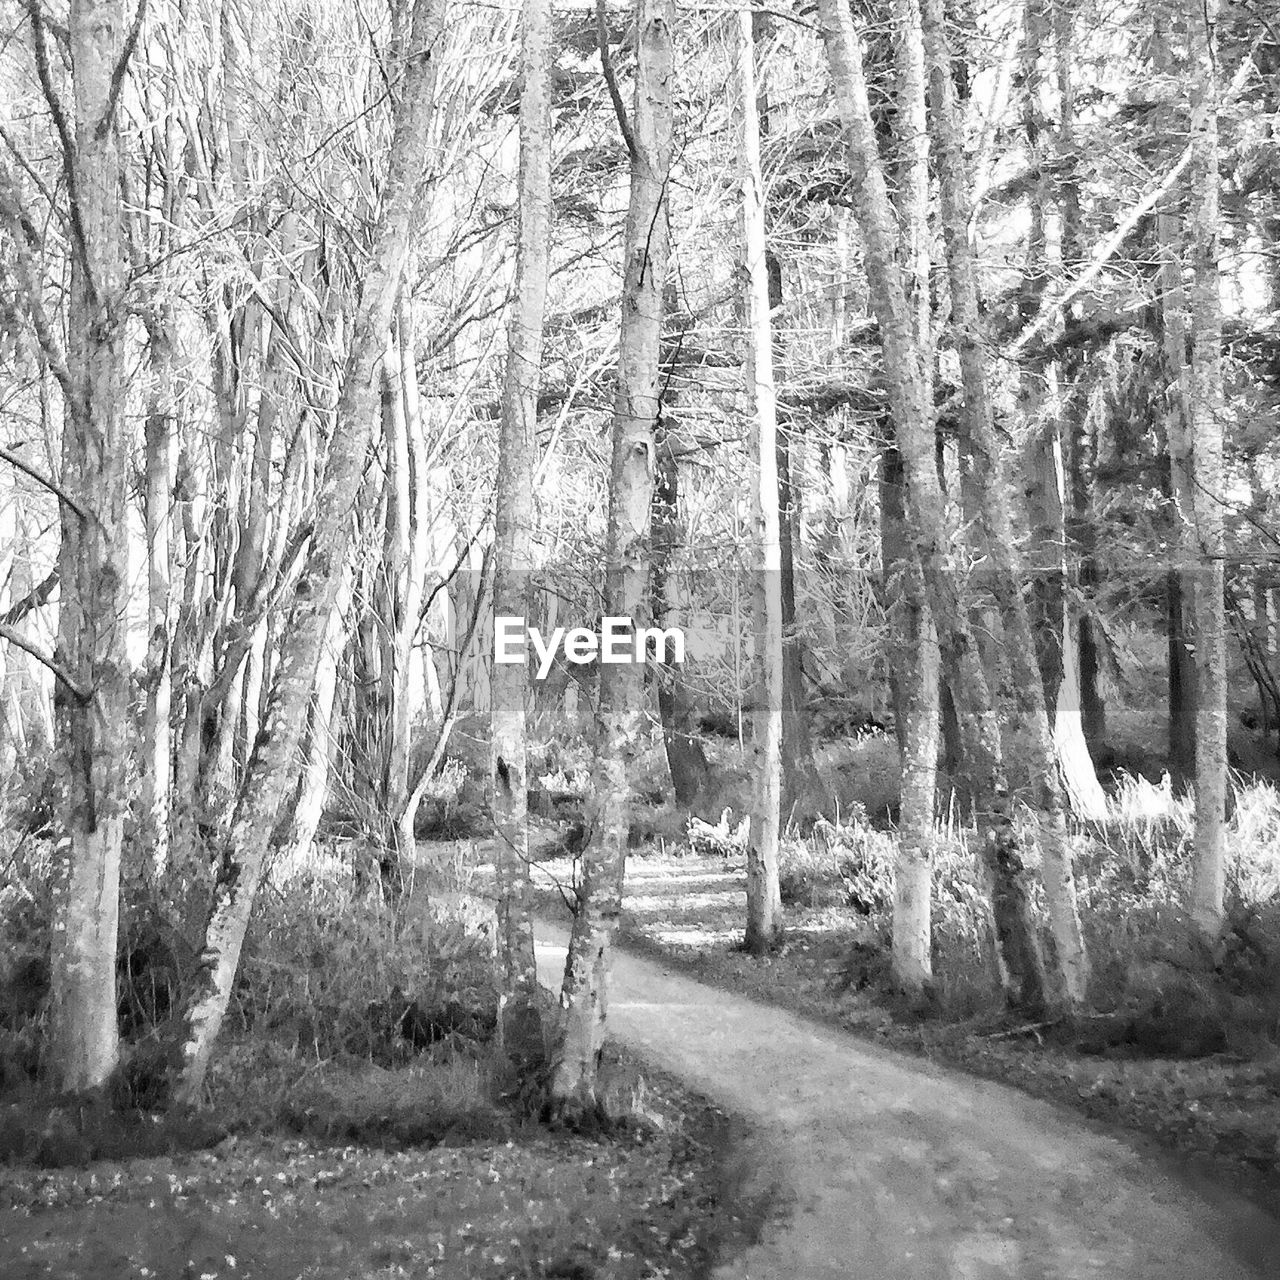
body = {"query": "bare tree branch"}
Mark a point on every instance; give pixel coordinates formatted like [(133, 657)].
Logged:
[(1051, 311), (29, 603), (610, 79), (117, 74), (40, 478), (63, 677), (26, 241), (64, 130)]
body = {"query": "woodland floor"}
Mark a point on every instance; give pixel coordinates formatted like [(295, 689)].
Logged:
[(882, 1166), (484, 1197), (270, 1209)]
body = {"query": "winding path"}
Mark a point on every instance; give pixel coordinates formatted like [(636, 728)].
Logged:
[(889, 1168)]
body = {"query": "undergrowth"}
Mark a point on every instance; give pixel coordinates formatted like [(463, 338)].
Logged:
[(1160, 990)]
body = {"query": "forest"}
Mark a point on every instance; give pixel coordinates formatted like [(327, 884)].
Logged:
[(893, 384)]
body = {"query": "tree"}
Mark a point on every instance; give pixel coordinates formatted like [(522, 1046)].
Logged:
[(636, 408), (1202, 451), (996, 504), (914, 644), (514, 516), (927, 525), (273, 767), (764, 901), (92, 693)]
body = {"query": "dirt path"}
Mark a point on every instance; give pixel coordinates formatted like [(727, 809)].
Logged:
[(892, 1169)]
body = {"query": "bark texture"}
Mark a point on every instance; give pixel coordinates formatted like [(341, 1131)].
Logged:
[(1206, 422), (913, 638), (92, 701), (514, 514), (764, 900), (646, 243)]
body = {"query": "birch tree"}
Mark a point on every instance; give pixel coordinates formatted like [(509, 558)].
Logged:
[(764, 900), (272, 769), (514, 514), (92, 694), (996, 506), (926, 521), (1204, 537), (646, 247), (914, 640)]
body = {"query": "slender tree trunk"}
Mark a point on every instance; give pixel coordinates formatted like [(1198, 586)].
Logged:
[(914, 643), (646, 248), (395, 633), (156, 772), (318, 750), (804, 794), (686, 760), (273, 766), (996, 506), (1205, 420), (927, 522), (917, 686), (764, 901), (1077, 434), (1174, 333), (92, 703), (514, 519), (1045, 477)]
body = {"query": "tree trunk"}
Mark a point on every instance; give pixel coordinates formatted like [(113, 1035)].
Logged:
[(514, 518), (318, 749), (273, 766), (638, 403), (913, 639), (916, 688), (1051, 615), (764, 901), (92, 702), (804, 794), (996, 504), (1077, 435), (686, 760), (927, 521), (1206, 539), (398, 613), (156, 771)]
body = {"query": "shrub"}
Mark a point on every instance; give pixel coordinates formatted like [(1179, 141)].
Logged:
[(339, 973), (846, 864)]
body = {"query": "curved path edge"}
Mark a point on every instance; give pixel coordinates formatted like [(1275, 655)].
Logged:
[(894, 1169)]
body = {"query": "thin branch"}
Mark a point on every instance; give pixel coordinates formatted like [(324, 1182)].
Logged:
[(56, 489), (427, 772), (64, 134), (610, 79), (117, 74), (29, 603), (26, 241), (39, 183), (1051, 311), (64, 678)]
